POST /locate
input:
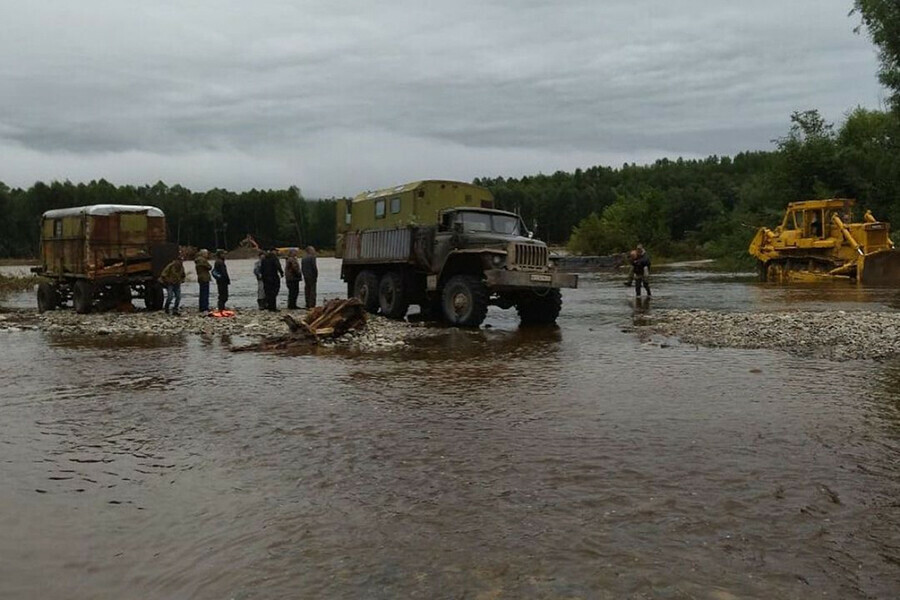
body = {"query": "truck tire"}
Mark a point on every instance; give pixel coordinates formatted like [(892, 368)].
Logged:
[(83, 296), (465, 301), (392, 295), (47, 296), (432, 309), (366, 289), (537, 309), (153, 296)]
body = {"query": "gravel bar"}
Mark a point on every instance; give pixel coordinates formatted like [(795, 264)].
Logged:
[(378, 334), (835, 335)]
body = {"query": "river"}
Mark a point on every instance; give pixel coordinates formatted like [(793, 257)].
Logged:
[(571, 462)]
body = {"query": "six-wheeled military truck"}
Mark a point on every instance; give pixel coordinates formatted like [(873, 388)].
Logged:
[(442, 245), (101, 256)]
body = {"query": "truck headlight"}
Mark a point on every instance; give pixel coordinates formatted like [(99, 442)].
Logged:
[(497, 260)]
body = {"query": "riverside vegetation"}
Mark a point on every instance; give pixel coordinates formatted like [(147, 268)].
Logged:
[(16, 283), (707, 208)]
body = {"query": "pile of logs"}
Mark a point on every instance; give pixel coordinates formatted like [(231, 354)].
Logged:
[(331, 320)]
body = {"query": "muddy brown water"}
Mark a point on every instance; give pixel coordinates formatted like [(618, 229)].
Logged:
[(574, 462)]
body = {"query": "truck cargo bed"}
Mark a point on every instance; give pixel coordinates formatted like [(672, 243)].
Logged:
[(379, 245)]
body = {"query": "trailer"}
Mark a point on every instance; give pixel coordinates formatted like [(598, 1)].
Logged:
[(102, 255)]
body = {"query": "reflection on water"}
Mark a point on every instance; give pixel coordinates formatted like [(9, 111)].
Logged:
[(564, 462)]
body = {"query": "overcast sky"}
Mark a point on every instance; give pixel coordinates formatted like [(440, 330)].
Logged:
[(340, 96)]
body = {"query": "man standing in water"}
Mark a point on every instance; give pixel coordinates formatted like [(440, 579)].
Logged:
[(640, 269), (220, 273), (201, 262), (172, 276), (310, 275), (292, 278)]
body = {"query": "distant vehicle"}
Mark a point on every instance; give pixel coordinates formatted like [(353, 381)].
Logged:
[(442, 245), (102, 255), (817, 242)]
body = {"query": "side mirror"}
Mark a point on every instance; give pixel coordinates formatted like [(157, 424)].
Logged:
[(457, 228)]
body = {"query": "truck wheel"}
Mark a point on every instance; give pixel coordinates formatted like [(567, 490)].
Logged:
[(366, 289), (537, 309), (83, 296), (432, 309), (47, 297), (153, 296), (465, 300), (392, 296)]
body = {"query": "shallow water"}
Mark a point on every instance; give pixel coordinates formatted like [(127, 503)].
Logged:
[(573, 462)]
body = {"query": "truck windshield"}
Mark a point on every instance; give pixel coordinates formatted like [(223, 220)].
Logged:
[(474, 222), (506, 224)]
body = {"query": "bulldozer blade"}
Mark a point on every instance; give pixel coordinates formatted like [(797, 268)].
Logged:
[(881, 268)]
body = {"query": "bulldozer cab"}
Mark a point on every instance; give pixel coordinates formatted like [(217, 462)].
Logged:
[(811, 221)]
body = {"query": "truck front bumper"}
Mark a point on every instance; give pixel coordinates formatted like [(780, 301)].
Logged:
[(501, 279)]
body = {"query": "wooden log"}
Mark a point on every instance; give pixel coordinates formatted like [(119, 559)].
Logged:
[(333, 319)]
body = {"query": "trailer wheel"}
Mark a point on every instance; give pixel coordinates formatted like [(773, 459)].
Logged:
[(537, 309), (392, 296), (47, 296), (465, 300), (366, 289), (153, 296), (83, 296)]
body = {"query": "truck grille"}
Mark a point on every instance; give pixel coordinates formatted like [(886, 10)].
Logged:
[(529, 256)]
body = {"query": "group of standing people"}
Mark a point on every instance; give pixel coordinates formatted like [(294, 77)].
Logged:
[(268, 272)]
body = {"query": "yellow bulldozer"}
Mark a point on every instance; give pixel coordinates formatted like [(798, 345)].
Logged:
[(817, 242)]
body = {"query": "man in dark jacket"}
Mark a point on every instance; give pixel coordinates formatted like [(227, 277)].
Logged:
[(271, 275), (203, 278), (640, 265), (292, 278), (310, 276), (220, 274)]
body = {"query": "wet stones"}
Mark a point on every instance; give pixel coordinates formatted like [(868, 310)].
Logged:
[(378, 334), (835, 335)]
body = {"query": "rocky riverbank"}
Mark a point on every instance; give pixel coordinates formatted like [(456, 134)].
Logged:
[(836, 335), (378, 334)]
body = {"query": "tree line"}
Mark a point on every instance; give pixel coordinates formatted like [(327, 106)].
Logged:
[(680, 208), (712, 207), (213, 219)]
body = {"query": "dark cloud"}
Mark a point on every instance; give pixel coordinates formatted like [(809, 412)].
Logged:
[(341, 96)]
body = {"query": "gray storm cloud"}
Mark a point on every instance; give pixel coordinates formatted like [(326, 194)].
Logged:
[(342, 96)]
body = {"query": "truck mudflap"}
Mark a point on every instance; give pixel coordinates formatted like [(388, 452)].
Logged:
[(500, 279)]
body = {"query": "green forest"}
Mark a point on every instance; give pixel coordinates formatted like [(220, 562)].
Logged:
[(712, 207), (213, 219), (678, 208)]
